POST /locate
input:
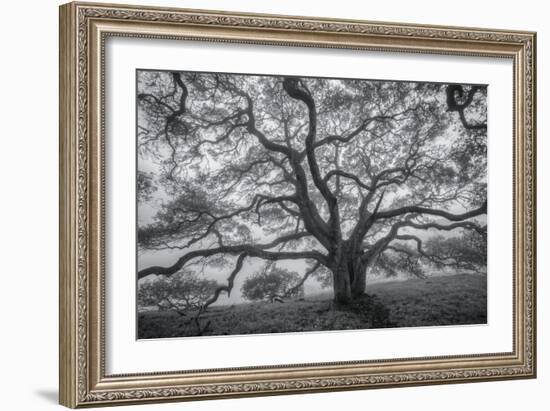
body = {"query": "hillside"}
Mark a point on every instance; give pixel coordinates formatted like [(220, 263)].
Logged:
[(445, 300)]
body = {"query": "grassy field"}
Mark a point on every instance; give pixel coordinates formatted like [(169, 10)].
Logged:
[(449, 300), (446, 300)]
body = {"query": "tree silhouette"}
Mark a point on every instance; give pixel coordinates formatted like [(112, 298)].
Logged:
[(184, 293), (271, 285), (342, 174)]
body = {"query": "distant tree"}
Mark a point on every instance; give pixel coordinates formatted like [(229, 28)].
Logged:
[(277, 284), (183, 291), (155, 294), (332, 172), (270, 285)]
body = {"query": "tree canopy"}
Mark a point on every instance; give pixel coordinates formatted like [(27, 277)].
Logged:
[(344, 174)]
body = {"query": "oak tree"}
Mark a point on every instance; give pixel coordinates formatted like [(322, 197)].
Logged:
[(340, 173)]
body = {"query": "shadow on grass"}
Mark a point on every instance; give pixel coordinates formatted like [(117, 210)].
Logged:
[(371, 310)]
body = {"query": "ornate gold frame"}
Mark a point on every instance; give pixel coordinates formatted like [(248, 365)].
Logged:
[(83, 30)]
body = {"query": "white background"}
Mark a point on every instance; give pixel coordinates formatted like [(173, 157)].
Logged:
[(28, 217)]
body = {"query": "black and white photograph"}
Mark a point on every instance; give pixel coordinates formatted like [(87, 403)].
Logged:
[(276, 204)]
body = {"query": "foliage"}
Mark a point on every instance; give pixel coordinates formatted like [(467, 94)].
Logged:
[(415, 257), (323, 276), (145, 186), (269, 285), (467, 251), (183, 291), (391, 264)]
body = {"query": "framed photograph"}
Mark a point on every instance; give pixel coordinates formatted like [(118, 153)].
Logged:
[(259, 204)]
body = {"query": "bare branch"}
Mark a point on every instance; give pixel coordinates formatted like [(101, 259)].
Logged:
[(297, 90), (431, 211), (252, 250)]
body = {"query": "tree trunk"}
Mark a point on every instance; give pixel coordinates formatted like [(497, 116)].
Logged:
[(349, 278), (359, 283), (342, 285)]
